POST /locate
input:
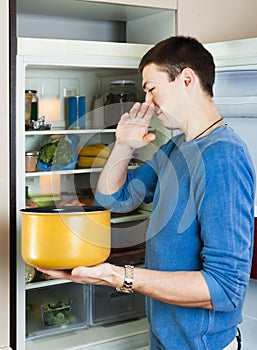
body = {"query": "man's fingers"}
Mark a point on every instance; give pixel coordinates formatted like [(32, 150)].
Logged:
[(134, 110), (144, 110)]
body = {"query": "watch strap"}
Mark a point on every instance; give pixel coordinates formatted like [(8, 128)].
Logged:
[(127, 286)]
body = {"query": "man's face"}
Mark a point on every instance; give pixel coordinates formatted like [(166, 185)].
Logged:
[(164, 93)]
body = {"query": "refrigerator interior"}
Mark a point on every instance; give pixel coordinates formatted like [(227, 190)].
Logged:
[(53, 84), (56, 73), (93, 306)]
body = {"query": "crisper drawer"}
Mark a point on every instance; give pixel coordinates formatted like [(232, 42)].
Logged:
[(56, 309), (109, 306)]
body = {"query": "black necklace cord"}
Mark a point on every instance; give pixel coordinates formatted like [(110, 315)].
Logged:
[(217, 121)]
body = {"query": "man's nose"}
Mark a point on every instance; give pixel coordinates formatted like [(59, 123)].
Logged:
[(148, 97)]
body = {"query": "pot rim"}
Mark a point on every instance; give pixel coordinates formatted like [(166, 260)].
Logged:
[(53, 210)]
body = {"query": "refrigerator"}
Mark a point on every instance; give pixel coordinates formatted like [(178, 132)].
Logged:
[(67, 65)]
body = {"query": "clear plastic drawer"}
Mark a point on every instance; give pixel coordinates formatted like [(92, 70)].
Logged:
[(56, 309), (110, 306)]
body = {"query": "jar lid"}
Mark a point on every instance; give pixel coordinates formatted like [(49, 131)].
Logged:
[(122, 82), (32, 153), (30, 91)]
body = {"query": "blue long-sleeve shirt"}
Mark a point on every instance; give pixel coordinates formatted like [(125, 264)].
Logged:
[(202, 220)]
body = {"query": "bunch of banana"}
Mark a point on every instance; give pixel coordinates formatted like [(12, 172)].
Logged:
[(93, 156)]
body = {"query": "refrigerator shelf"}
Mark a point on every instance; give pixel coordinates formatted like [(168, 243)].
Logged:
[(61, 131), (68, 172)]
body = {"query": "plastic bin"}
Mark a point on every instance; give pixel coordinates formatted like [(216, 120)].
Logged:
[(109, 306), (56, 309), (56, 314)]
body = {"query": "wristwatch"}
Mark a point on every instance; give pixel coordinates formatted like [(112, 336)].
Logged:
[(128, 280)]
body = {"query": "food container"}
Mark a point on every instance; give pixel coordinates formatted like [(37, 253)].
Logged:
[(28, 101), (56, 314), (65, 237), (31, 158), (75, 111), (56, 309), (120, 97), (109, 306), (121, 91)]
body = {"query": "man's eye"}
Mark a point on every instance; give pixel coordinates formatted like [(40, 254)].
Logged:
[(151, 90)]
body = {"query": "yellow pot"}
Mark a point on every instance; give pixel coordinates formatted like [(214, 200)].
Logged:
[(65, 237)]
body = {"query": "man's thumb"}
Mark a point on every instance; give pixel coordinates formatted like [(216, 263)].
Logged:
[(149, 138)]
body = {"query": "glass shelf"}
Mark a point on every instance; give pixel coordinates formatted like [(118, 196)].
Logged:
[(56, 131), (42, 284), (68, 172)]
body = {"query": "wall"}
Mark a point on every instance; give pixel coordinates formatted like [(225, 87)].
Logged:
[(219, 20), (4, 175)]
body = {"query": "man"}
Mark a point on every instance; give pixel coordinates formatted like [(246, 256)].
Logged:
[(201, 183)]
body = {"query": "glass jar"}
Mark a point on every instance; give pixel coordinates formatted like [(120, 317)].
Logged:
[(28, 100), (121, 91), (31, 159), (34, 104), (120, 97)]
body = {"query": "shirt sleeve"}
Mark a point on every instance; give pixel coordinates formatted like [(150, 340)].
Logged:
[(138, 188), (226, 217)]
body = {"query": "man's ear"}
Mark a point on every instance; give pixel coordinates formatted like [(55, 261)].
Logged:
[(188, 77), (187, 81)]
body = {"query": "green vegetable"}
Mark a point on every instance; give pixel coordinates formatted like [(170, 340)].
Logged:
[(56, 314), (59, 318), (56, 153), (49, 318), (63, 153)]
